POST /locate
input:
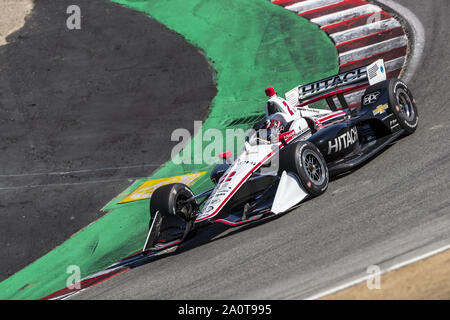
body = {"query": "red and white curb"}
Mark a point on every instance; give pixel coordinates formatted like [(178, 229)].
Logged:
[(85, 283), (362, 32)]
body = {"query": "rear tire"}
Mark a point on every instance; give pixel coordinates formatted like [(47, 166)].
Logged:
[(305, 160), (403, 106)]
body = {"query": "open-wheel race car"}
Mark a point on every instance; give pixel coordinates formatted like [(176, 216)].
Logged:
[(291, 156)]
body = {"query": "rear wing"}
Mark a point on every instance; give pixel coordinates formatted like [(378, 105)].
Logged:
[(337, 86)]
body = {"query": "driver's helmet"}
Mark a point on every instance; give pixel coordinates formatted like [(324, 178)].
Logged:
[(271, 129)]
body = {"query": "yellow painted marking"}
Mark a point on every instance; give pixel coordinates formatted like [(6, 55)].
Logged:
[(146, 190)]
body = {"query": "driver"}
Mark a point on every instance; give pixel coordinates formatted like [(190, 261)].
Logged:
[(286, 117), (280, 117), (272, 129)]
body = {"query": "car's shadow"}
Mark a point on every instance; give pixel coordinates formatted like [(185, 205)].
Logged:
[(214, 232), (364, 163)]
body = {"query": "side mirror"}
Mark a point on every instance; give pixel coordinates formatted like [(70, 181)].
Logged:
[(226, 157)]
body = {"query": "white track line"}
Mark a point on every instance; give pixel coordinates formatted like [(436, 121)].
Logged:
[(345, 15), (310, 5), (365, 30), (75, 292), (67, 295), (392, 268), (53, 185), (61, 173)]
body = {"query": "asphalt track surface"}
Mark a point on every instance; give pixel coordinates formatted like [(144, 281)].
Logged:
[(395, 206), (81, 116)]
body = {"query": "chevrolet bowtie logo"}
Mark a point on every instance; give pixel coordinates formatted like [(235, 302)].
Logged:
[(380, 109)]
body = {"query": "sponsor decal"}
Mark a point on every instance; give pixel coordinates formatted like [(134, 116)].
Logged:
[(288, 135), (401, 84), (299, 154), (343, 141), (304, 131), (318, 124), (380, 109), (412, 125), (371, 98), (333, 82), (240, 161), (311, 110), (288, 108), (305, 137), (146, 190), (224, 186), (393, 123)]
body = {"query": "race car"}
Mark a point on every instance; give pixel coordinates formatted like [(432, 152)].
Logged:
[(291, 156)]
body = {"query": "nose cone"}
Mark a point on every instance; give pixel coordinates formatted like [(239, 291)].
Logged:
[(270, 92)]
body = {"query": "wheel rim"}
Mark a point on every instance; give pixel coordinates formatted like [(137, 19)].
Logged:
[(182, 208), (405, 104), (314, 167)]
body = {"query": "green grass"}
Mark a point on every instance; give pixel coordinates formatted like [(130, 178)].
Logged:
[(251, 44)]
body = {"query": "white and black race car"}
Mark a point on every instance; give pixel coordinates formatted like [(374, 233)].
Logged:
[(271, 177)]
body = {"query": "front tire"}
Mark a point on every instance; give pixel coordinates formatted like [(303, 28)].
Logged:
[(170, 200), (304, 159), (171, 215)]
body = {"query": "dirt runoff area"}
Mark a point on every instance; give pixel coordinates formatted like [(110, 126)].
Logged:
[(427, 279), (12, 16)]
